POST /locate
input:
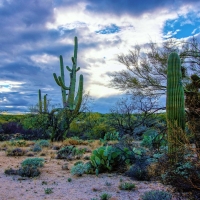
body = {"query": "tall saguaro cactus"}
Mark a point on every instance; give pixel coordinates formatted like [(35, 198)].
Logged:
[(71, 103), (175, 106), (40, 102)]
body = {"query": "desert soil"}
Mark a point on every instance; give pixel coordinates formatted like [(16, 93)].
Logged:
[(87, 187)]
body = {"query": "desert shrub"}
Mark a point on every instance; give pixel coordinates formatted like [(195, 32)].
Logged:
[(15, 152), (105, 196), (74, 141), (111, 136), (156, 195), (11, 171), (78, 169), (29, 171), (66, 152), (37, 148), (33, 162), (127, 186), (18, 143), (184, 175), (43, 143)]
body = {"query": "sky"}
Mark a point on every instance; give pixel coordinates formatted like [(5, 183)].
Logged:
[(34, 33)]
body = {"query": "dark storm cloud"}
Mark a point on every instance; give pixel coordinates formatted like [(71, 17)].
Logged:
[(131, 7)]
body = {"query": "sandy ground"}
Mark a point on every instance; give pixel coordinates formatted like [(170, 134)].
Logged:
[(52, 176)]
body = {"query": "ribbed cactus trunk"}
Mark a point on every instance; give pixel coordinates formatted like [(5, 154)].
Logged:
[(40, 101), (42, 108), (175, 106)]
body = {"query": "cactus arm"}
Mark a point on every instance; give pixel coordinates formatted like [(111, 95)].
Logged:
[(62, 84), (78, 69), (56, 79), (70, 70), (78, 99)]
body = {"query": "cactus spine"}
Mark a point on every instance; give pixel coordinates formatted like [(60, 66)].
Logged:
[(175, 106), (71, 103), (40, 102)]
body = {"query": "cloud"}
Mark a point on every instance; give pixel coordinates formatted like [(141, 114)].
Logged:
[(34, 33)]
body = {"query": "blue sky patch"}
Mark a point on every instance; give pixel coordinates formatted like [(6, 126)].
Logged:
[(109, 29), (182, 27)]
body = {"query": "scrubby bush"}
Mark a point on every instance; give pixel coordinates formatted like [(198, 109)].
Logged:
[(37, 148), (79, 169), (15, 152), (66, 152), (156, 195), (29, 171), (33, 162), (127, 186), (43, 143)]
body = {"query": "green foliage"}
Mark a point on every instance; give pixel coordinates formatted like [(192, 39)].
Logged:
[(48, 190), (36, 148), (43, 143), (156, 195), (111, 136), (79, 169), (152, 139), (105, 158), (18, 143), (69, 180), (127, 186), (29, 171), (105, 196), (33, 162)]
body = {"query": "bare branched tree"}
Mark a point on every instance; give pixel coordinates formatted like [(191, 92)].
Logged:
[(146, 68)]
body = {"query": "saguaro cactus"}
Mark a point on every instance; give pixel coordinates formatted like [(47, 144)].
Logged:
[(175, 106), (71, 103), (40, 102)]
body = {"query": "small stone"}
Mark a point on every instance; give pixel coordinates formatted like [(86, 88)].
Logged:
[(65, 166)]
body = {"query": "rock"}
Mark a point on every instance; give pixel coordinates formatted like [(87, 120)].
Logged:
[(65, 166)]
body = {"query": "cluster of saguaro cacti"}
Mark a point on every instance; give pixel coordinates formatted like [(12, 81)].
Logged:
[(42, 106), (70, 102), (175, 106)]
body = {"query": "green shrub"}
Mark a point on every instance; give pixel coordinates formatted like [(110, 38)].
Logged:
[(33, 162), (156, 195), (105, 196), (48, 190), (37, 148), (43, 143), (29, 171), (18, 143), (78, 169), (111, 136), (127, 186)]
